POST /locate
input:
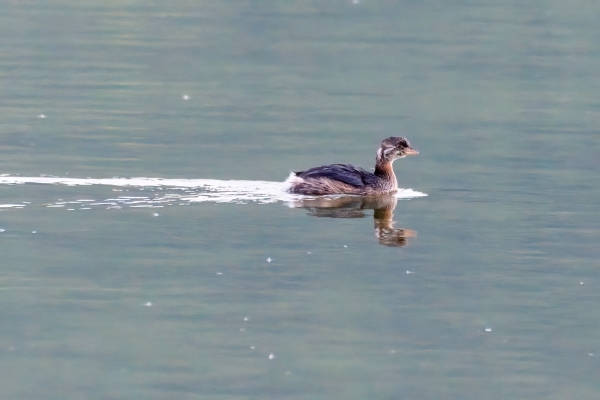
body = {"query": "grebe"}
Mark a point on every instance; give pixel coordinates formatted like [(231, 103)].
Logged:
[(350, 179)]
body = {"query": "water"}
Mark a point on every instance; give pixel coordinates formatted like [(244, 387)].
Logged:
[(190, 190), (187, 285)]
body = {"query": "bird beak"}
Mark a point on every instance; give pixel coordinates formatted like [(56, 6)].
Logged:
[(410, 151)]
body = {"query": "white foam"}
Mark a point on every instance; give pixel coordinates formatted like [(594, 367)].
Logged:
[(409, 194), (12, 205), (191, 190)]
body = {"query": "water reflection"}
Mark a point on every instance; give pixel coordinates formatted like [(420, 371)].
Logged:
[(354, 207)]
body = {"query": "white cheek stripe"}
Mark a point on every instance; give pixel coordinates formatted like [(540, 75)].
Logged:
[(387, 151)]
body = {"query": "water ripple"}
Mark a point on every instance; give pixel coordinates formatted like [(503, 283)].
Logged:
[(181, 192)]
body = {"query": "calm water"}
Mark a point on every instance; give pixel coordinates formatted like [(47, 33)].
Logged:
[(488, 288)]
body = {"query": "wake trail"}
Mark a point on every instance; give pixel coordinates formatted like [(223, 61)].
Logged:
[(182, 191)]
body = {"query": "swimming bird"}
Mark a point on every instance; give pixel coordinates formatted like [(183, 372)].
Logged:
[(350, 179)]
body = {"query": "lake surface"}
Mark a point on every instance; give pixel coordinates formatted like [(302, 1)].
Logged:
[(486, 288)]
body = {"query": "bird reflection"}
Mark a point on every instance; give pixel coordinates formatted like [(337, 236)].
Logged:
[(354, 207)]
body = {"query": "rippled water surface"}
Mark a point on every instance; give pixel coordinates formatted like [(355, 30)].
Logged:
[(204, 280)]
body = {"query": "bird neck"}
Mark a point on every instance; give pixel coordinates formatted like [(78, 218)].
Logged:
[(384, 170)]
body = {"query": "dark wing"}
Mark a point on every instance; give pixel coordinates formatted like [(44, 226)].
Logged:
[(340, 172)]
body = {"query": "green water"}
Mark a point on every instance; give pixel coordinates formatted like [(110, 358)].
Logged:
[(180, 302)]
